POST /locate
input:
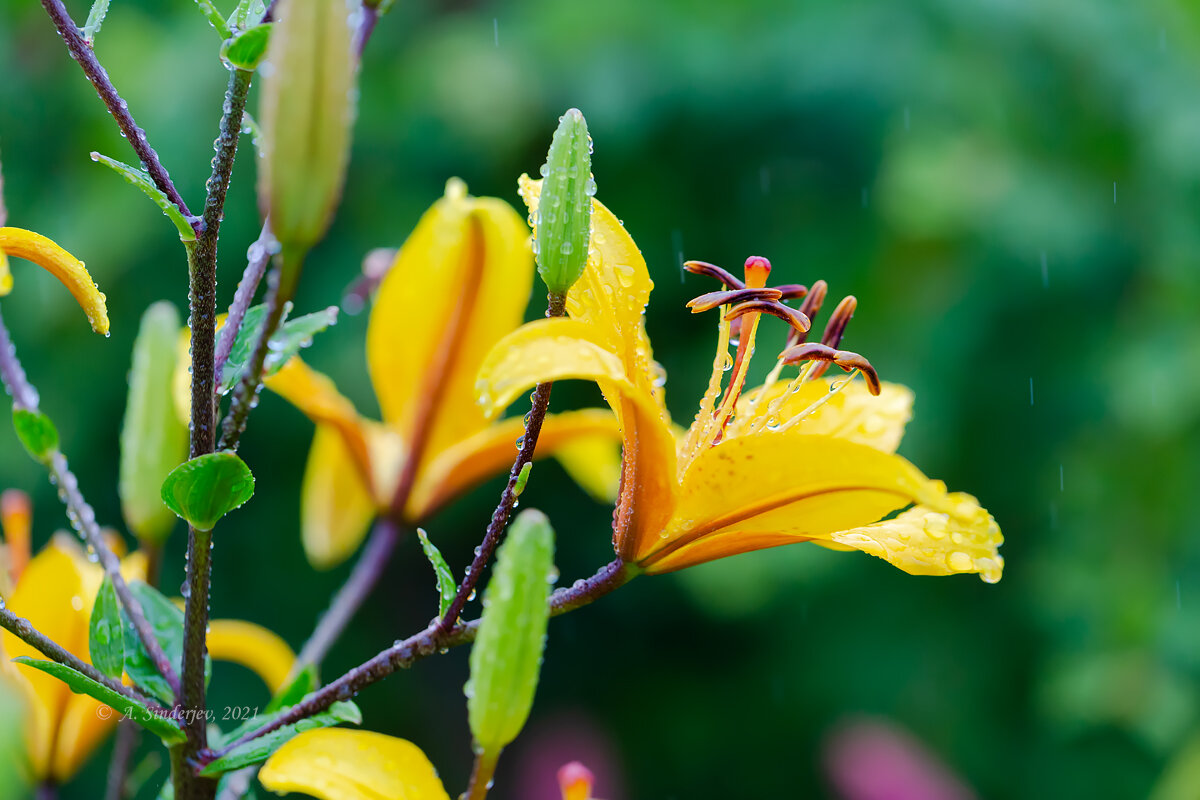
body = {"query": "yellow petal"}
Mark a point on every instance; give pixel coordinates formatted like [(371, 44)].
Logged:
[(547, 350), (958, 536), (335, 505), (460, 282), (254, 647), (852, 413), (337, 764), (559, 349), (50, 595), (62, 265), (16, 519), (80, 731), (318, 398), (593, 462), (492, 450), (6, 281), (774, 488)]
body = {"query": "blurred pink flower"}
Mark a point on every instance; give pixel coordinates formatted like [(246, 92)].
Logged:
[(876, 759)]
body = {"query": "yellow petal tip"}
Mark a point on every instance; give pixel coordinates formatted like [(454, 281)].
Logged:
[(58, 262)]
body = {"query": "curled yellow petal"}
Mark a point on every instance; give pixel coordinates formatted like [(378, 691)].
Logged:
[(336, 506), (6, 282), (254, 647), (62, 265), (338, 764)]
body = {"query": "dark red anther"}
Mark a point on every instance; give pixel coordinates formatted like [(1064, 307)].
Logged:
[(709, 301), (793, 291), (789, 315), (713, 271), (824, 354), (836, 327)]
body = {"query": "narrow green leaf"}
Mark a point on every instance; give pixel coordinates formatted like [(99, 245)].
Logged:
[(95, 20), (142, 181), (36, 432), (291, 337), (166, 621), (247, 14), (522, 479), (259, 750), (154, 439), (507, 654), (445, 578), (165, 729), (208, 487), (106, 636), (307, 681), (214, 18), (246, 50)]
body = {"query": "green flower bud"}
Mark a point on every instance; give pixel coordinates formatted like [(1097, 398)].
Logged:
[(307, 109), (154, 439), (563, 223), (507, 654)]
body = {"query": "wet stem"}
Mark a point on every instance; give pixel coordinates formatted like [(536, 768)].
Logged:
[(202, 291)]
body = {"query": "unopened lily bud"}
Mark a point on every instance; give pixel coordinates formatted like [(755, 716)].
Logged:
[(507, 654), (154, 438), (307, 108), (563, 220)]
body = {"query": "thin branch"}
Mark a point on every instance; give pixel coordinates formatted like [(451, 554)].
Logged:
[(116, 106), (81, 514), (508, 498), (367, 570), (122, 756), (257, 259), (202, 263), (23, 629), (481, 776), (429, 641)]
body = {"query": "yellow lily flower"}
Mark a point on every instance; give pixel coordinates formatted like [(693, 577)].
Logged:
[(56, 591), (802, 460), (460, 283), (59, 263), (340, 764)]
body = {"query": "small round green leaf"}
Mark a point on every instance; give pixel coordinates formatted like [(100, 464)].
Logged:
[(247, 49), (208, 487), (36, 432)]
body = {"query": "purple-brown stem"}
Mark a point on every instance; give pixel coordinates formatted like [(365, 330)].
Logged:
[(23, 629), (124, 744), (83, 516), (257, 259), (117, 107), (481, 776), (372, 562), (429, 641), (540, 403)]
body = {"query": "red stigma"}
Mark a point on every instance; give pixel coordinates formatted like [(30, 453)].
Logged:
[(758, 269)]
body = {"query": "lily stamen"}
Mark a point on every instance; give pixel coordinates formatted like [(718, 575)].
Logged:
[(820, 352), (707, 302), (713, 271)]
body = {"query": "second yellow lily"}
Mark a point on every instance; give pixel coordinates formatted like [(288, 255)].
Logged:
[(459, 284), (800, 460)]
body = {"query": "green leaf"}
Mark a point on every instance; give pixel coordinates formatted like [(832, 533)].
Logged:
[(207, 488), (166, 621), (106, 637), (141, 180), (287, 696), (214, 18), (154, 439), (447, 589), (507, 654), (165, 729), (247, 14), (246, 50), (259, 750), (36, 432), (95, 20), (291, 337), (522, 479)]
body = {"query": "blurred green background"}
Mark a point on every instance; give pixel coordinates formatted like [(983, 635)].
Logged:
[(1010, 187)]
